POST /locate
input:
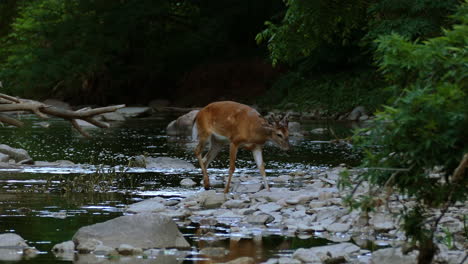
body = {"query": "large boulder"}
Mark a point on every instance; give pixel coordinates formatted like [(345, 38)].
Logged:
[(13, 248), (182, 126), (145, 230), (15, 153)]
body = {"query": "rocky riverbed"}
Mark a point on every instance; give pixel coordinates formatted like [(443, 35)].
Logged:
[(310, 205), (302, 203)]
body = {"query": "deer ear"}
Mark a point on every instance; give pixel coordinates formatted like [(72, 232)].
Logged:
[(272, 119)]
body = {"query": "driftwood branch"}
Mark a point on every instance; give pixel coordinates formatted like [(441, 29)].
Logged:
[(10, 103)]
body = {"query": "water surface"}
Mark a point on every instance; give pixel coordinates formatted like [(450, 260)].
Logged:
[(48, 205)]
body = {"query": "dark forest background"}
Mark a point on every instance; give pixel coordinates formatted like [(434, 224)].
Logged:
[(304, 54)]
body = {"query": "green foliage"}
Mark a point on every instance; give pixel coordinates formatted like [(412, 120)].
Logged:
[(102, 51), (321, 39), (423, 131), (308, 25), (411, 19), (68, 43), (333, 93)]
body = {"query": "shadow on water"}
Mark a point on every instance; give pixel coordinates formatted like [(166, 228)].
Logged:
[(48, 205)]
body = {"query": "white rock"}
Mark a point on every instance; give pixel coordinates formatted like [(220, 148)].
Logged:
[(236, 204), (63, 247), (183, 125), (317, 253), (270, 207), (284, 260), (317, 204), (143, 230), (134, 111), (214, 201), (15, 153), (187, 182), (338, 227), (125, 249), (152, 205), (391, 256), (382, 222), (12, 240)]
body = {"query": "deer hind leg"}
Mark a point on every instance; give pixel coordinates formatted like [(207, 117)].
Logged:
[(257, 154), (198, 153), (232, 164), (215, 148)]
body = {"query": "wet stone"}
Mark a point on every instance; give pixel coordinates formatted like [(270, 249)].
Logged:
[(247, 187), (337, 227), (270, 207), (187, 182), (259, 219), (236, 204)]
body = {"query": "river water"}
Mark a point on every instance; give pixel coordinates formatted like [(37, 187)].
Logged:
[(48, 205)]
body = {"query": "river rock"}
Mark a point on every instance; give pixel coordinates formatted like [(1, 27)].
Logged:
[(214, 201), (269, 207), (15, 153), (319, 130), (382, 222), (338, 227), (4, 157), (187, 182), (319, 254), (161, 163), (126, 250), (153, 205), (391, 256), (183, 125), (12, 240), (277, 194), (284, 260), (113, 116), (236, 204), (356, 113), (250, 187), (295, 129), (64, 251), (130, 112), (13, 248), (260, 219), (64, 247), (144, 230)]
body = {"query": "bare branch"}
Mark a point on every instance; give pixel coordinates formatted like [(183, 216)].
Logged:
[(9, 103), (11, 121)]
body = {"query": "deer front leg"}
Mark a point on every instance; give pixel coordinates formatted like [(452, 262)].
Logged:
[(232, 164), (257, 154)]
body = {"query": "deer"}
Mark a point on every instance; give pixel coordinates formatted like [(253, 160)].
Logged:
[(240, 126)]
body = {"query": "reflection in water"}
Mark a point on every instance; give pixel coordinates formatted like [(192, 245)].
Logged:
[(47, 205)]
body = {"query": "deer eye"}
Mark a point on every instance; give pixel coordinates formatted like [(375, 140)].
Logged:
[(279, 135)]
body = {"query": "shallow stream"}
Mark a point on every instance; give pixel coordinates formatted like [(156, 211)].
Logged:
[(46, 206)]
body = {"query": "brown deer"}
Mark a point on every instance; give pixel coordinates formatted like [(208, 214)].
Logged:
[(240, 126)]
